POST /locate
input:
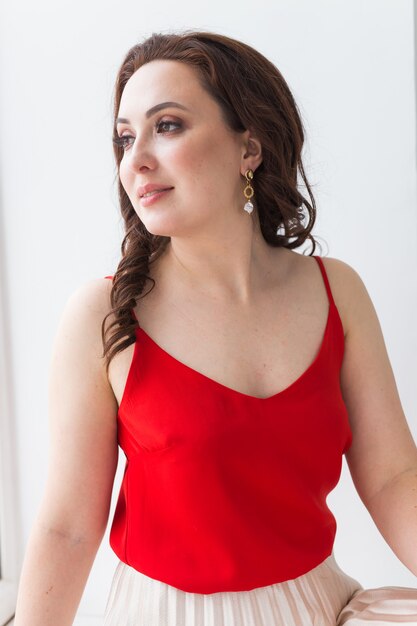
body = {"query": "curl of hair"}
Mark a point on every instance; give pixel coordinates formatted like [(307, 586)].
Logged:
[(252, 94)]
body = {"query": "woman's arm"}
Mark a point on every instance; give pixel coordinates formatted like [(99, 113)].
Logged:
[(383, 456), (73, 514)]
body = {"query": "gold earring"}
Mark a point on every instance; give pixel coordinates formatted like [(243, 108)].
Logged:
[(248, 191)]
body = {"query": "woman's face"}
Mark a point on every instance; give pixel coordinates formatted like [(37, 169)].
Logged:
[(184, 145)]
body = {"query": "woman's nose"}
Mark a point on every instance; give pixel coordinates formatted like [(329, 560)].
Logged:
[(140, 155)]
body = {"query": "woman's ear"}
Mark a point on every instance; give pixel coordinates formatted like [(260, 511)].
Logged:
[(251, 152)]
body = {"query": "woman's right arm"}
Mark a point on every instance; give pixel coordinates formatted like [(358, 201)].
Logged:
[(83, 452)]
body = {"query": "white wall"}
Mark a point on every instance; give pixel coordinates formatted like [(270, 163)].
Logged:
[(351, 68)]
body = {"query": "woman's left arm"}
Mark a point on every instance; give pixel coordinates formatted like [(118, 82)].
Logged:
[(383, 456)]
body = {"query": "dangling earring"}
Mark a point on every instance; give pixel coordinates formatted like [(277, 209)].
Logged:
[(248, 191)]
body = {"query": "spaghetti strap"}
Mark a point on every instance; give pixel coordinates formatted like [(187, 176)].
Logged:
[(131, 310), (326, 280)]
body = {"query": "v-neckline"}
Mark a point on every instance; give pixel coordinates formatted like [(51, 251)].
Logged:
[(225, 388)]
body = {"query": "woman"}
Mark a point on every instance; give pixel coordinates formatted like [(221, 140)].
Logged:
[(235, 374)]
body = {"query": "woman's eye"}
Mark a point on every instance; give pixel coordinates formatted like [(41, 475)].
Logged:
[(122, 141), (167, 123), (161, 127)]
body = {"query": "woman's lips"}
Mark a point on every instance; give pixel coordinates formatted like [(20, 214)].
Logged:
[(154, 197)]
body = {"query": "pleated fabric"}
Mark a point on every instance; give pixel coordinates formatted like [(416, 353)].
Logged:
[(324, 596)]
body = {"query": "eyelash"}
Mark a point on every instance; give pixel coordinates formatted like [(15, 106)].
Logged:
[(122, 141)]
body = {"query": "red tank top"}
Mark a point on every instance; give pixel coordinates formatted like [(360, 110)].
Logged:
[(223, 491)]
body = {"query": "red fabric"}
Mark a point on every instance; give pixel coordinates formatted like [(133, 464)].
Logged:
[(223, 491)]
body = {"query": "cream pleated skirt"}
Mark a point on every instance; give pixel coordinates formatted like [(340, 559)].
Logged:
[(324, 596)]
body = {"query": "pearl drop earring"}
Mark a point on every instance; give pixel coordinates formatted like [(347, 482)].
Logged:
[(248, 191)]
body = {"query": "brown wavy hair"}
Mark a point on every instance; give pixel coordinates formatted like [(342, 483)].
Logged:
[(252, 93)]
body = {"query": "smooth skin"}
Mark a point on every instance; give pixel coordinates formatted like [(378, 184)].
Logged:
[(229, 284)]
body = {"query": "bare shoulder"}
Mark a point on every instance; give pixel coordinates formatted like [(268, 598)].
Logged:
[(349, 292), (348, 289), (92, 297), (79, 328), (339, 272)]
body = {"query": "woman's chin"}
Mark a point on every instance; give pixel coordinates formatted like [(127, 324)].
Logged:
[(165, 229), (162, 230)]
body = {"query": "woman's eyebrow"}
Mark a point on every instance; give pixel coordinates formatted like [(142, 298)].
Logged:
[(154, 109)]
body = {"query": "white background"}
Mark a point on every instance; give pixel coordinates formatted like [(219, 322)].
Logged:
[(350, 66)]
